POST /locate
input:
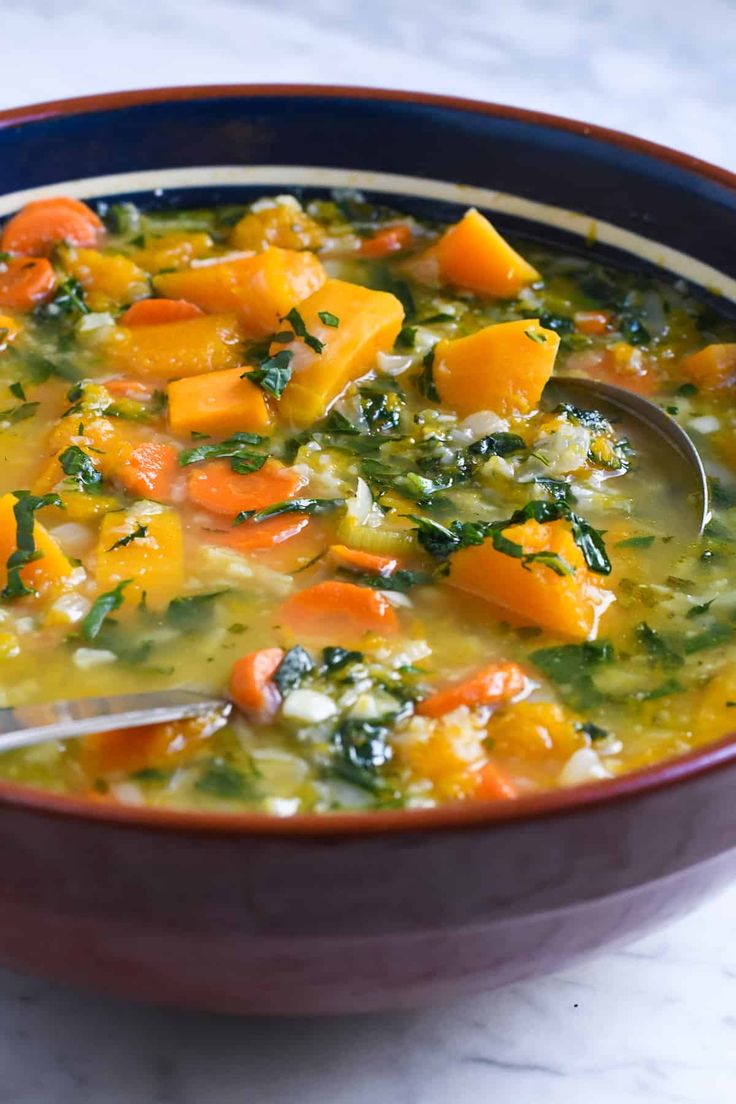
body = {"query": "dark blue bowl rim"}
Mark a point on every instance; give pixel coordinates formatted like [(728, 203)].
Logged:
[(633, 786)]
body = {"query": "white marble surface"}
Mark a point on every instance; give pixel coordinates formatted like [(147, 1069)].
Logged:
[(653, 1023)]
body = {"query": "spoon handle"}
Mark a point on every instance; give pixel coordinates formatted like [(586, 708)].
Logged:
[(25, 725)]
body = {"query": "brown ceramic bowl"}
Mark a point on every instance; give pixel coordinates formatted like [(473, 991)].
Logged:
[(350, 912)]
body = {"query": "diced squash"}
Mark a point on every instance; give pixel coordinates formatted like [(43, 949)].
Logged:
[(369, 322), (176, 349), (473, 255), (566, 605), (712, 367), (174, 250), (282, 223), (155, 746), (217, 403), (448, 751), (48, 573), (10, 328), (154, 563), (109, 280), (149, 471), (502, 368), (535, 730), (80, 506), (261, 289)]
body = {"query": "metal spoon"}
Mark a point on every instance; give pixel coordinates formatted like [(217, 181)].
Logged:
[(686, 472), (25, 725)]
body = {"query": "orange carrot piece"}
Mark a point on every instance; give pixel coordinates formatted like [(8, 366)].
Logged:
[(339, 611), (149, 471), (255, 536), (216, 487), (151, 746), (41, 225), (391, 239), (495, 683), (591, 322), (157, 312), (124, 388), (25, 282), (494, 784), (356, 560), (712, 367), (251, 686)]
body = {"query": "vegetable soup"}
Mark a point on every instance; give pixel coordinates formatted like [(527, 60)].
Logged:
[(302, 455)]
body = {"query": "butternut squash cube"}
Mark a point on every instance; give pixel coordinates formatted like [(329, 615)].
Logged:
[(282, 223), (473, 255), (566, 605), (712, 367), (368, 323), (218, 403), (175, 349), (174, 250), (109, 280), (46, 574), (154, 562), (502, 368), (261, 289)]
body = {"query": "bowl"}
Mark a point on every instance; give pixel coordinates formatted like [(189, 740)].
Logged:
[(361, 911)]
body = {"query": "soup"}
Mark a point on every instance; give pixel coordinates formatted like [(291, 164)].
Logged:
[(303, 456)]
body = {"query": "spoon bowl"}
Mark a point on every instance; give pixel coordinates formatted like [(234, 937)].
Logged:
[(622, 406)]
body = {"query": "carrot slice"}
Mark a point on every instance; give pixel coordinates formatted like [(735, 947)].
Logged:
[(494, 784), (251, 686), (125, 388), (216, 487), (254, 536), (495, 683), (25, 282), (149, 471), (156, 312), (339, 611), (591, 322), (389, 240), (368, 562), (41, 225)]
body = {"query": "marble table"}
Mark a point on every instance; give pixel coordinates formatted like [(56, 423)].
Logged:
[(654, 1022)]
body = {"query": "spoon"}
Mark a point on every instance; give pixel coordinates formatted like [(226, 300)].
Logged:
[(686, 470), (26, 725)]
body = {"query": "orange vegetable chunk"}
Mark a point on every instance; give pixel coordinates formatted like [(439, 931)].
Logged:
[(494, 784), (251, 686), (10, 328), (217, 403), (369, 322), (158, 312), (355, 559), (261, 289), (44, 223), (46, 574), (502, 368), (497, 682), (216, 487), (150, 746), (473, 255), (154, 563), (342, 612), (25, 282), (175, 349), (390, 239), (711, 368), (109, 280), (255, 536), (149, 471), (566, 605)]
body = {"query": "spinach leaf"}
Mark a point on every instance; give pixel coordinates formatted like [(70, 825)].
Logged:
[(25, 545), (334, 658), (238, 449), (69, 297), (78, 466), (400, 581), (297, 324), (361, 749), (636, 542), (571, 667), (425, 380), (102, 606), (19, 413), (293, 667), (273, 373), (328, 319), (339, 424), (137, 534), (718, 633), (497, 444), (193, 612), (219, 778), (658, 649), (291, 506)]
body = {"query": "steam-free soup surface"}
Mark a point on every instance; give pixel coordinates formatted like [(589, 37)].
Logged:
[(303, 456)]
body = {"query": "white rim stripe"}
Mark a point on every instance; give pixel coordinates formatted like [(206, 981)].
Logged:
[(159, 180)]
